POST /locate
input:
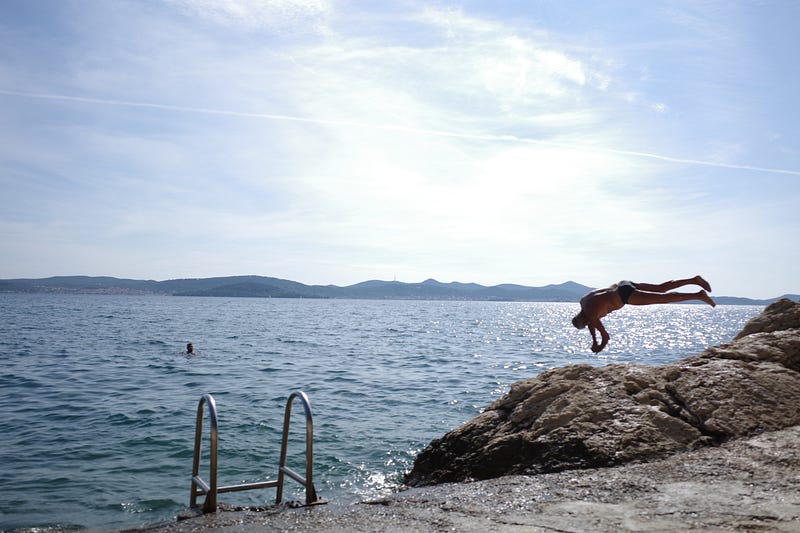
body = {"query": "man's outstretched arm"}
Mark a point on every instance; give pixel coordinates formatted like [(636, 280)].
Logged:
[(604, 336)]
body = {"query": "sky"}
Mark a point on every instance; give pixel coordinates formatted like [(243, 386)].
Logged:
[(333, 142)]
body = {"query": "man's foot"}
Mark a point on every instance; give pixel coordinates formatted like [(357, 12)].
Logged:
[(698, 280), (703, 295)]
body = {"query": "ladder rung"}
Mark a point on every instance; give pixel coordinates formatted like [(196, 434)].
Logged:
[(204, 488), (292, 474), (249, 486)]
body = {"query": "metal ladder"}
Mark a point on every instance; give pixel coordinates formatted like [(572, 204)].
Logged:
[(210, 490)]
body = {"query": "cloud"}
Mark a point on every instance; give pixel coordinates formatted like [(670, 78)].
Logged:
[(273, 15), (412, 130)]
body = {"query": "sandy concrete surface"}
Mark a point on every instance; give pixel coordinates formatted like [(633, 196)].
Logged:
[(751, 484)]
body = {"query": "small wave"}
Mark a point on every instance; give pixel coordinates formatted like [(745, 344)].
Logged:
[(161, 366), (55, 528), (156, 342), (185, 453), (145, 506), (290, 341), (366, 483), (19, 381)]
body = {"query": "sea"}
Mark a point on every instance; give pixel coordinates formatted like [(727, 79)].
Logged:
[(98, 399)]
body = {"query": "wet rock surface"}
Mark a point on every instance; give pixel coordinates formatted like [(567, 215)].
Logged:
[(583, 417)]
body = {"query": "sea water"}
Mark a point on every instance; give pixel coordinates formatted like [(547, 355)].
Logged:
[(98, 401)]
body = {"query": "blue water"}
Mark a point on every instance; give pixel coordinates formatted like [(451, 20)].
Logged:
[(98, 402)]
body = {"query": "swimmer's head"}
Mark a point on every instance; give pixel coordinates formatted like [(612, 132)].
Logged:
[(579, 321), (189, 348)]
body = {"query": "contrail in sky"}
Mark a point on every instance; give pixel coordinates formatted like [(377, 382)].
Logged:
[(390, 127)]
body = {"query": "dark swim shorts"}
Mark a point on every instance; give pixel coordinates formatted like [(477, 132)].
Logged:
[(625, 289)]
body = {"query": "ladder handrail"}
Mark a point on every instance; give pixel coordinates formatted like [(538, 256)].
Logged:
[(210, 490), (199, 486), (311, 493)]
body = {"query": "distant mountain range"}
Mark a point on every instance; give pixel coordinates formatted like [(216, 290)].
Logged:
[(266, 287)]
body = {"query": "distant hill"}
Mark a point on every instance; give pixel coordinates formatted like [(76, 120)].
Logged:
[(266, 287)]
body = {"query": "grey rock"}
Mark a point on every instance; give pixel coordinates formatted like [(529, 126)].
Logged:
[(780, 315)]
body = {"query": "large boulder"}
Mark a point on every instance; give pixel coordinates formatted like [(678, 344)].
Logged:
[(780, 315), (581, 416)]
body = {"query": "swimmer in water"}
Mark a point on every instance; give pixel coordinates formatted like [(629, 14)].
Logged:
[(189, 349)]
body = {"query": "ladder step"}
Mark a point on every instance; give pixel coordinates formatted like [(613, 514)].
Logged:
[(204, 488), (249, 486), (292, 474)]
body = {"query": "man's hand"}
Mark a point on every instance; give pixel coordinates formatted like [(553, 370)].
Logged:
[(604, 336)]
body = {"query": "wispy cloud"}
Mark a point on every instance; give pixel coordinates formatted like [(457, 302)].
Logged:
[(273, 15), (495, 138)]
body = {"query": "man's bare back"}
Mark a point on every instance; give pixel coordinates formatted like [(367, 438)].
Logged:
[(600, 302)]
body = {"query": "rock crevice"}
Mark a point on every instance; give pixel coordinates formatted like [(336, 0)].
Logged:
[(582, 416)]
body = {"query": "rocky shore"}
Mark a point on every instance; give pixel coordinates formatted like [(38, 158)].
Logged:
[(711, 442), (582, 416)]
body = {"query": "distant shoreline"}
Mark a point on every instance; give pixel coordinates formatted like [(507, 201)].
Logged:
[(267, 287)]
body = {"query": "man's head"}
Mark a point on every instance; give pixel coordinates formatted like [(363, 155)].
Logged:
[(579, 321)]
